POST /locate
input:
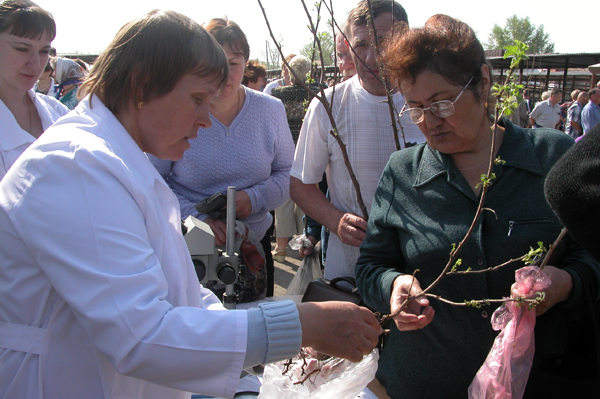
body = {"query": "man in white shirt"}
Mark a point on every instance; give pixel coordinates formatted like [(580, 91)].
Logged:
[(547, 113), (363, 120)]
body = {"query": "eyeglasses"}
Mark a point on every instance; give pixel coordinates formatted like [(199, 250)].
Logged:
[(340, 56), (441, 109)]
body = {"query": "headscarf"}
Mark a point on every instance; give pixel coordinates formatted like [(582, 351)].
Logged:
[(67, 72)]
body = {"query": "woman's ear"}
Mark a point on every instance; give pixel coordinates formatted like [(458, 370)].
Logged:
[(139, 80), (485, 81)]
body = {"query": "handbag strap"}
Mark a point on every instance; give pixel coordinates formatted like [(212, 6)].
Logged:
[(350, 280)]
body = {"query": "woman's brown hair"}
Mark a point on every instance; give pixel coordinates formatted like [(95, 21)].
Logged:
[(149, 56), (229, 34), (24, 18), (444, 46), (254, 70)]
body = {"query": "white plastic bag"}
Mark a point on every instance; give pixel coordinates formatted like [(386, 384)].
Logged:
[(333, 378), (309, 269)]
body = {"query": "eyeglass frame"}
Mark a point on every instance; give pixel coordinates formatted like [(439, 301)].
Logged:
[(340, 55), (422, 118)]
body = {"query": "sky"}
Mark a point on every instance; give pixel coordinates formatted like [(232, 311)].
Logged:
[(87, 27)]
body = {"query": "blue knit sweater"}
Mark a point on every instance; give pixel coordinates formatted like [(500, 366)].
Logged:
[(253, 154)]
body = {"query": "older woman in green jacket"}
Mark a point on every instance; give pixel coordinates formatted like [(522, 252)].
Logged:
[(426, 200)]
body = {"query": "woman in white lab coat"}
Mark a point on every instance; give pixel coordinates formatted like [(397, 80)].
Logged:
[(98, 295), (26, 32)]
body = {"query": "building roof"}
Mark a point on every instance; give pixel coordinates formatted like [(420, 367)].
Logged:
[(549, 61)]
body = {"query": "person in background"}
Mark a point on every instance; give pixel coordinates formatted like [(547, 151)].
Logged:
[(426, 200), (590, 115), (285, 76), (546, 95), (255, 76), (564, 107), (45, 83), (248, 145), (363, 120), (344, 59), (288, 216), (26, 32), (99, 296), (573, 127), (521, 115), (547, 113), (68, 75)]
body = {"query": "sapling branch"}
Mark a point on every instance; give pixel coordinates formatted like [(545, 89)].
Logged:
[(518, 52), (323, 99)]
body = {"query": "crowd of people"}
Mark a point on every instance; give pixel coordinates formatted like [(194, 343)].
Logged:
[(99, 164), (576, 117)]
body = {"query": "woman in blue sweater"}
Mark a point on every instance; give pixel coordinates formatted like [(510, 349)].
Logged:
[(249, 146)]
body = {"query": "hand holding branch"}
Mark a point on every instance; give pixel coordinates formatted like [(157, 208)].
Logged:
[(415, 314), (340, 329)]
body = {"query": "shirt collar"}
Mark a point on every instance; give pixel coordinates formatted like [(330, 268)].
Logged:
[(122, 142), (13, 136), (516, 151)]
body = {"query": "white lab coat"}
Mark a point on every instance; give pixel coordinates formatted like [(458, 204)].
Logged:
[(13, 139), (98, 295)]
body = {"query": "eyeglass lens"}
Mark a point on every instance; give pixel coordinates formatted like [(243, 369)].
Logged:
[(441, 109)]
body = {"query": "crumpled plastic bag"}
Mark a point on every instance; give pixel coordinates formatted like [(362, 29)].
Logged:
[(337, 378), (309, 269), (505, 372)]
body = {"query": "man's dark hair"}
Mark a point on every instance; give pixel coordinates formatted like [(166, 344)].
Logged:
[(359, 15)]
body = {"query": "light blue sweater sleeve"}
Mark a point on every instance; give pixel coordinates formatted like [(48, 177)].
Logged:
[(274, 333)]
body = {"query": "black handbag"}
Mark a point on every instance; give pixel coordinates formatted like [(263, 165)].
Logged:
[(322, 290), (567, 352)]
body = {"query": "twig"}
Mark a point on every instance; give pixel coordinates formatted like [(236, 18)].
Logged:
[(322, 98), (551, 249)]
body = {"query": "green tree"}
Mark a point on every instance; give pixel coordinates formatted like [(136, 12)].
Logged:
[(327, 45), (523, 30)]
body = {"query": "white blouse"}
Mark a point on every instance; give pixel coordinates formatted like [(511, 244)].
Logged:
[(13, 139)]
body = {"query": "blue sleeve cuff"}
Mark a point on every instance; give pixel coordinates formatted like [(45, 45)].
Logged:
[(274, 333)]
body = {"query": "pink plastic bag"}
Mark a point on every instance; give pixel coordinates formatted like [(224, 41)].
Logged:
[(505, 372)]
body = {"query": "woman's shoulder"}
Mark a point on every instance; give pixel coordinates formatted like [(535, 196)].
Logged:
[(408, 155), (545, 138), (406, 162), (261, 99), (52, 103), (547, 144)]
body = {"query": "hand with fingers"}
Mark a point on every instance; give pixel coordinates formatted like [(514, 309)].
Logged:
[(340, 329), (219, 229), (352, 229), (418, 313)]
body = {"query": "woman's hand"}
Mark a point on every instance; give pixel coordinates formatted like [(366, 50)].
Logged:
[(243, 206), (339, 329), (305, 251), (352, 229), (559, 290), (219, 229), (418, 313)]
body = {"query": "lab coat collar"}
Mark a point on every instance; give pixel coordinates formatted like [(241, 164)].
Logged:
[(133, 156), (127, 148), (14, 136)]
